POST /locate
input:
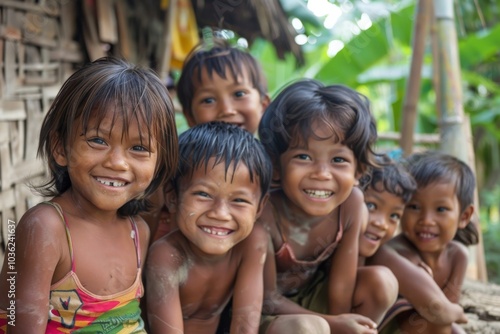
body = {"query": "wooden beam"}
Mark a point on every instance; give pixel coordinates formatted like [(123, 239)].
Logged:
[(420, 32)]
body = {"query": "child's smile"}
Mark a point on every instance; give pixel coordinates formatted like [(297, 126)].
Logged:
[(318, 175), (108, 167), (217, 209)]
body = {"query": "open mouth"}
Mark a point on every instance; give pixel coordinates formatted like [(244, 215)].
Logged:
[(426, 235), (216, 231), (318, 193), (112, 183), (372, 236)]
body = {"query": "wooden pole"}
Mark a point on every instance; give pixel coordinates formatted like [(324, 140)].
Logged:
[(166, 46), (420, 30), (454, 138)]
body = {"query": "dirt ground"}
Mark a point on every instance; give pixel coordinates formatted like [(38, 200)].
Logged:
[(481, 302)]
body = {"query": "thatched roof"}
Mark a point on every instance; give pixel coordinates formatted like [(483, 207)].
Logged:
[(251, 19)]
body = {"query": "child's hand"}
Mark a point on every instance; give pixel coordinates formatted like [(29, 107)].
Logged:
[(351, 324)]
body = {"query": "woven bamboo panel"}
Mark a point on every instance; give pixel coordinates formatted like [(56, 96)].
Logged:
[(37, 53)]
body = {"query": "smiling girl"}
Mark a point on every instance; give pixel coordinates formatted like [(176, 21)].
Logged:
[(110, 140)]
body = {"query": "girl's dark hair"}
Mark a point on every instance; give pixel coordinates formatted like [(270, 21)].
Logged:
[(290, 116), (110, 87), (227, 143), (436, 167), (217, 58), (392, 177)]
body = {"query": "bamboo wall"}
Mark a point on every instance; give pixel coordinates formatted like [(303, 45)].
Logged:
[(37, 53)]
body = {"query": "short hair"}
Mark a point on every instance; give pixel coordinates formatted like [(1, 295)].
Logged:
[(435, 167), (217, 58), (110, 86), (290, 116), (390, 176), (227, 143)]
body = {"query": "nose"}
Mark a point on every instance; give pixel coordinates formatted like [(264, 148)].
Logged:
[(226, 108), (426, 218), (116, 159), (321, 171), (219, 211), (378, 222)]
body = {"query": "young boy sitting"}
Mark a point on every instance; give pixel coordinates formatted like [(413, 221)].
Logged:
[(390, 188), (216, 254), (218, 82), (441, 205)]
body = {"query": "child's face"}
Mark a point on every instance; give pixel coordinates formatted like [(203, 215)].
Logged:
[(319, 176), (216, 211), (385, 211), (432, 217), (218, 99), (106, 166)]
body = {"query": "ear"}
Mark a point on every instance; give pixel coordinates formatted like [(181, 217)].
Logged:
[(188, 115), (59, 152), (465, 216), (171, 200), (265, 100), (276, 178), (262, 205), (357, 176)]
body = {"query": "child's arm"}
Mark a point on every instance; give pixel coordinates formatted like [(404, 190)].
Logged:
[(419, 288), (39, 240), (459, 258), (342, 276), (164, 310), (249, 287)]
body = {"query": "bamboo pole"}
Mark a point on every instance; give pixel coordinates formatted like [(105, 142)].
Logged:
[(453, 125), (420, 31), (166, 46)]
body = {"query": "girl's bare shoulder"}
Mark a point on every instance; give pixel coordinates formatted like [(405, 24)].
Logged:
[(42, 218)]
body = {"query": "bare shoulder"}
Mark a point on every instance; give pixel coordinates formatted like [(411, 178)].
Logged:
[(355, 198), (257, 240), (168, 251), (404, 248), (43, 222), (458, 252)]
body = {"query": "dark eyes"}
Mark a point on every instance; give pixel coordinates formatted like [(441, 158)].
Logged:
[(371, 206)]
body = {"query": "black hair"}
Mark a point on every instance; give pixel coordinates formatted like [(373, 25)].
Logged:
[(290, 116), (435, 167), (110, 87), (217, 58), (392, 177), (228, 144)]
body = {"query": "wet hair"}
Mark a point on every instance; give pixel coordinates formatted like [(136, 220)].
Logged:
[(218, 59), (228, 144), (110, 87), (289, 119), (435, 167), (392, 177)]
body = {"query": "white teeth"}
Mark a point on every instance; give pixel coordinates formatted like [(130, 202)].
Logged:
[(111, 183), (372, 236), (426, 235), (219, 233), (318, 193)]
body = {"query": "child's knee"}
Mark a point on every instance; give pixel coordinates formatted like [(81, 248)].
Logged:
[(384, 285), (303, 323)]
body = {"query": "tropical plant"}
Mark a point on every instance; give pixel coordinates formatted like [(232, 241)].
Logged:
[(368, 45)]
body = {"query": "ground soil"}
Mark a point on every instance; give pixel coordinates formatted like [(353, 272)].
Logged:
[(481, 302)]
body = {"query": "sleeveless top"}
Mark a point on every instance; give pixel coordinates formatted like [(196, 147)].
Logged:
[(74, 309), (288, 266)]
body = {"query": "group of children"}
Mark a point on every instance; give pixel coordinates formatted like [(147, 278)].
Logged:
[(293, 232)]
